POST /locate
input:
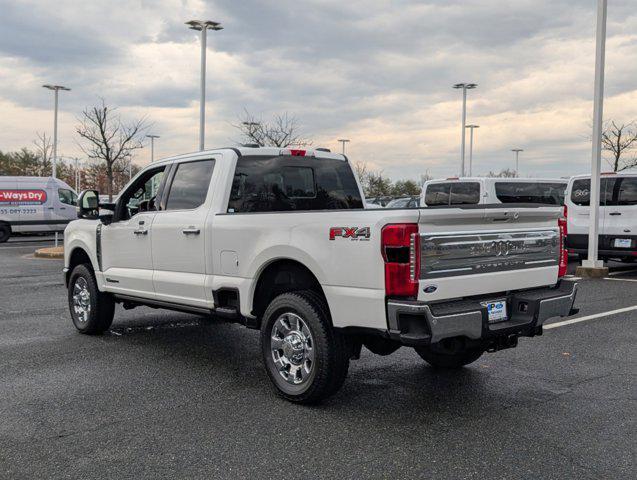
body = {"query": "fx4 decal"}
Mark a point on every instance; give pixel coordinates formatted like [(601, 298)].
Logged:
[(353, 233)]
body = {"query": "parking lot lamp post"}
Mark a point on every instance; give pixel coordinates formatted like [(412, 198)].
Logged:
[(152, 147), (77, 175), (517, 160), (203, 27), (343, 142), (56, 89), (471, 128), (593, 265), (464, 87)]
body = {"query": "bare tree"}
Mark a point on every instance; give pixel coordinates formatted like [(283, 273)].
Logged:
[(619, 140), (425, 177), (283, 131), (361, 171), (504, 173), (109, 139), (44, 151)]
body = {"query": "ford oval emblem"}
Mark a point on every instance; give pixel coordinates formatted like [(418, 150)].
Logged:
[(430, 289)]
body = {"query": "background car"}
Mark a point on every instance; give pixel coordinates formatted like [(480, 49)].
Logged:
[(473, 191), (404, 202)]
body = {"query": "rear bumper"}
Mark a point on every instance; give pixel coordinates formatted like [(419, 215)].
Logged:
[(419, 323), (577, 243)]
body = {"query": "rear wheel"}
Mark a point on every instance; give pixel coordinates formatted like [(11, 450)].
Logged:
[(5, 232), (92, 311), (449, 354), (305, 357)]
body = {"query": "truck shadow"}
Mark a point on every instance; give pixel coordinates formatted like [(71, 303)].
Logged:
[(400, 387)]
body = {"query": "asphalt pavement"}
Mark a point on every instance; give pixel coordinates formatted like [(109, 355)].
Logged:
[(169, 395)]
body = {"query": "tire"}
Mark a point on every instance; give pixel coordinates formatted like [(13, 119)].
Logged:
[(5, 232), (312, 361), (440, 357), (95, 309)]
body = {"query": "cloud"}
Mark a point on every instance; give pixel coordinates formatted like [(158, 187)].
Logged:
[(379, 73)]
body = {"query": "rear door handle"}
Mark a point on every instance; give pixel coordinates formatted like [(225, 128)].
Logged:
[(141, 231), (190, 231), (615, 213)]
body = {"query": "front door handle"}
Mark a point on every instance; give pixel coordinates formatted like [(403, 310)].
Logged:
[(190, 231), (141, 231), (615, 213)]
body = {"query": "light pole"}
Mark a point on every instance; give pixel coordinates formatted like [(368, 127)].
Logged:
[(152, 146), (77, 174), (203, 27), (593, 266), (471, 128), (56, 89), (464, 87), (517, 159), (343, 142)]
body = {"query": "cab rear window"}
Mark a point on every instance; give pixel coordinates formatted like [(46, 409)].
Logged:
[(284, 183), (452, 193)]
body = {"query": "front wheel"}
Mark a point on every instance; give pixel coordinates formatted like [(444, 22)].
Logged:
[(448, 356), (305, 357), (92, 311)]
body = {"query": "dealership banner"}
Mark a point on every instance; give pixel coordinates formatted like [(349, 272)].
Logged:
[(22, 197)]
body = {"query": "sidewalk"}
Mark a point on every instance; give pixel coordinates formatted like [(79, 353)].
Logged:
[(50, 252)]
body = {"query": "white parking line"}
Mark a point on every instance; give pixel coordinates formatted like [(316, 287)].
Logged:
[(619, 272), (589, 317), (622, 279)]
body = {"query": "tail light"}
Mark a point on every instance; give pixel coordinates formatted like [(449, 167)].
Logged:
[(563, 263), (400, 245)]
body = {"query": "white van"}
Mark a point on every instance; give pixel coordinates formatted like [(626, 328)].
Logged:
[(35, 204), (617, 215), (481, 190)]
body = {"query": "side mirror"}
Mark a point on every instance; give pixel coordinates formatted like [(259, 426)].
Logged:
[(88, 205)]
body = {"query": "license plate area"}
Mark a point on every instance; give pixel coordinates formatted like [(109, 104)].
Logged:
[(496, 311), (622, 243)]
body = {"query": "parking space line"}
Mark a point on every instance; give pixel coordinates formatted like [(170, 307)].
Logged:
[(619, 272), (589, 317), (622, 279)]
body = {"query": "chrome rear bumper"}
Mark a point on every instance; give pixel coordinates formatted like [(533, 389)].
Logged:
[(418, 323)]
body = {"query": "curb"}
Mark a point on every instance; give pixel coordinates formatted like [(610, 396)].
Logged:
[(50, 252)]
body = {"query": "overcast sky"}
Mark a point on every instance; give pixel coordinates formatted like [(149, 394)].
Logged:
[(377, 72)]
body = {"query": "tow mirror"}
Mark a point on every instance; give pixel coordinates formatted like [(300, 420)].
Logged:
[(88, 205)]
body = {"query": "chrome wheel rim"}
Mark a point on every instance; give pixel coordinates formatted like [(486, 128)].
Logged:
[(292, 348), (81, 300)]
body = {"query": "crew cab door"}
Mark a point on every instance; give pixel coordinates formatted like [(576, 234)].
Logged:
[(178, 235), (126, 242)]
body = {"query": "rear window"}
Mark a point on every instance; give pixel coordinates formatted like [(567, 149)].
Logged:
[(581, 191), (276, 184), (452, 193), (549, 193)]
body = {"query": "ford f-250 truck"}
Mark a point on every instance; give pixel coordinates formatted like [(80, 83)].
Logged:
[(279, 240)]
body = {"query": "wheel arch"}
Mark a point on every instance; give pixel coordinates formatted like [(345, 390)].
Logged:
[(77, 256), (282, 275)]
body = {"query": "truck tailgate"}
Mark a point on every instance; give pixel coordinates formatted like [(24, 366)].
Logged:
[(491, 249)]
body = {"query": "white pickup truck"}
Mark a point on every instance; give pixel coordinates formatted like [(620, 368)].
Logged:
[(279, 240)]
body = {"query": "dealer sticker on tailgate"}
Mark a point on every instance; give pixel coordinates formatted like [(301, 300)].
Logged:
[(497, 311)]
